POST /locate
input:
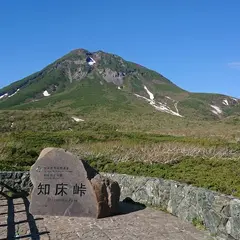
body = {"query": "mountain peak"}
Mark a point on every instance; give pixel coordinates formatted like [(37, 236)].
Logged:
[(79, 51), (107, 78)]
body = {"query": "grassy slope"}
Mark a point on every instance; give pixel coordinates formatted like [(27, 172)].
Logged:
[(211, 162)]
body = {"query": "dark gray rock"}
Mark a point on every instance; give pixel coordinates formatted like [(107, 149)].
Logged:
[(163, 196), (235, 208), (233, 224), (232, 227), (18, 175), (205, 199), (177, 195), (226, 211), (212, 220), (187, 209)]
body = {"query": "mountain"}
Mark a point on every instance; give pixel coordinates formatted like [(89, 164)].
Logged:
[(86, 82), (122, 118)]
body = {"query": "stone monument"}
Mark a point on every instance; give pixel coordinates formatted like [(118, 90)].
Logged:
[(63, 185)]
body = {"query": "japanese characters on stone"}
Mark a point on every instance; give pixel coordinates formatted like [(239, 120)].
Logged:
[(61, 189)]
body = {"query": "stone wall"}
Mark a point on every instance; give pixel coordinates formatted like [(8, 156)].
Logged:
[(19, 181), (219, 213)]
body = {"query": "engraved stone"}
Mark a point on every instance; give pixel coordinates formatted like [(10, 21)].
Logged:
[(63, 185)]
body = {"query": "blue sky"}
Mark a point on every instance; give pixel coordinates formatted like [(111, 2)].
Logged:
[(193, 43)]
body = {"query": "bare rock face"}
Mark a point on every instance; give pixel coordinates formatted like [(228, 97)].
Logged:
[(63, 185), (113, 76)]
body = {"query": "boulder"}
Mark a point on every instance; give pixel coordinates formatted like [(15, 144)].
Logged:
[(64, 185)]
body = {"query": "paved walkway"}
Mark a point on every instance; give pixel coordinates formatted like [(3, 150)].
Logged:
[(17, 223)]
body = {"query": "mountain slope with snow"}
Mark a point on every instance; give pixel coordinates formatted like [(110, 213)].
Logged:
[(84, 81)]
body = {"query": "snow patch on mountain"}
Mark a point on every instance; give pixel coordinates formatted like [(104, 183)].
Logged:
[(158, 105), (234, 99), (151, 96), (217, 110), (46, 93), (119, 88), (4, 95), (14, 93), (225, 102), (169, 98), (76, 119), (148, 100), (175, 105), (90, 61)]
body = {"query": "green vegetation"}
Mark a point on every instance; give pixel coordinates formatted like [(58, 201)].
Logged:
[(198, 223), (163, 209), (215, 174), (121, 132), (209, 162)]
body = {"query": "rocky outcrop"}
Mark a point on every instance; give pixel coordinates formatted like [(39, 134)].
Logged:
[(111, 76)]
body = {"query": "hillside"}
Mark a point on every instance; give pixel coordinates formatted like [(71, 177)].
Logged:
[(82, 82), (121, 117), (200, 153)]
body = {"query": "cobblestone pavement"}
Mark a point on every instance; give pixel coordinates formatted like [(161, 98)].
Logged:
[(17, 223)]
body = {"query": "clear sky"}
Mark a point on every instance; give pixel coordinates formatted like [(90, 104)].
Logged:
[(194, 43)]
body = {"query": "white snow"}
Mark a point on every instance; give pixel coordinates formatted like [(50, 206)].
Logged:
[(151, 96), (119, 88), (91, 62), (175, 105), (148, 100), (76, 119), (4, 95), (169, 98), (166, 109), (46, 93), (235, 99), (217, 110), (225, 102), (159, 106), (14, 93)]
